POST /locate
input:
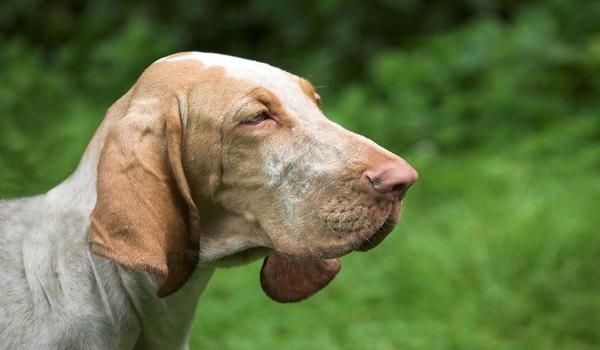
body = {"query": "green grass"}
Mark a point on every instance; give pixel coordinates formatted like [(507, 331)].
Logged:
[(495, 251)]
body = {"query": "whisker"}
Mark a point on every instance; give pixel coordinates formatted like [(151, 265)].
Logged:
[(309, 214), (331, 228)]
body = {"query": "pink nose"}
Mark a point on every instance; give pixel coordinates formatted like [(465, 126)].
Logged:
[(392, 177)]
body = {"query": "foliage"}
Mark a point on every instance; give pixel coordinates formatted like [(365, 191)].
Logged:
[(485, 83), (496, 102)]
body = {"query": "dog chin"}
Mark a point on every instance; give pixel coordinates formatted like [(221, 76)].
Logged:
[(363, 240)]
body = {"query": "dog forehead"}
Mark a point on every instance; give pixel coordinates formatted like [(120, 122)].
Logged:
[(286, 86), (255, 72)]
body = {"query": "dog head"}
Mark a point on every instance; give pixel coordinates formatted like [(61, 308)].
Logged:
[(215, 159)]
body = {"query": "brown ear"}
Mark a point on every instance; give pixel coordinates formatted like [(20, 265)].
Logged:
[(144, 216), (289, 280)]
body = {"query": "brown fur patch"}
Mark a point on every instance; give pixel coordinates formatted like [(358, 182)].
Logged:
[(309, 90), (145, 216)]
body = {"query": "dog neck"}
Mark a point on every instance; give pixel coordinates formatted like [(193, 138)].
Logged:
[(165, 323)]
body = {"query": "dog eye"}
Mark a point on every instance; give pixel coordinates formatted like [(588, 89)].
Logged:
[(257, 119)]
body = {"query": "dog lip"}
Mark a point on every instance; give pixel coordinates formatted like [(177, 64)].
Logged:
[(376, 238), (381, 233)]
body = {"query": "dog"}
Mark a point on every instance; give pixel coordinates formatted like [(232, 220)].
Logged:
[(208, 160)]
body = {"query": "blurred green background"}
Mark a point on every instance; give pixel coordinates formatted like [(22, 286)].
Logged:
[(495, 102)]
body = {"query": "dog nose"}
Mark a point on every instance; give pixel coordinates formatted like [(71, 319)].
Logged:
[(390, 177)]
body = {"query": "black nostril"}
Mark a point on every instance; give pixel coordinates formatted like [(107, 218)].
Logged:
[(400, 188)]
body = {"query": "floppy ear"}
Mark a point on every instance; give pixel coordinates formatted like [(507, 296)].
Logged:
[(144, 216), (288, 280)]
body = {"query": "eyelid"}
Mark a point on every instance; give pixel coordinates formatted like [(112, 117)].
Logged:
[(263, 112)]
